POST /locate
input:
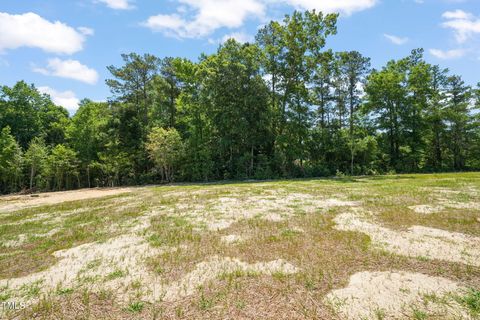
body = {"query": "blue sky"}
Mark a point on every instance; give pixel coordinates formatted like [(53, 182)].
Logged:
[(63, 47)]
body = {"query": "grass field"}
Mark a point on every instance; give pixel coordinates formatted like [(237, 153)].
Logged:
[(387, 247)]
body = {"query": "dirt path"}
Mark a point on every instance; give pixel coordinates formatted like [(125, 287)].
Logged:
[(13, 203)]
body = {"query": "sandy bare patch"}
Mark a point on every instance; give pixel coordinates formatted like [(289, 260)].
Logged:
[(13, 203), (215, 267), (298, 230), (448, 199), (95, 261), (462, 205), (445, 204), (120, 262), (417, 241), (233, 239), (440, 190), (470, 190), (426, 209), (220, 213), (396, 295), (123, 251)]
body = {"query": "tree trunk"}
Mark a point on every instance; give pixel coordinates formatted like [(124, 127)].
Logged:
[(438, 150), (88, 176), (32, 175), (172, 107), (352, 140), (352, 157), (251, 161)]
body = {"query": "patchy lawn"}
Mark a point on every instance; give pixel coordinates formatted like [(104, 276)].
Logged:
[(388, 247)]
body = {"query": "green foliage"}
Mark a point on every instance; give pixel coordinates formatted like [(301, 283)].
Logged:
[(282, 106), (236, 101), (165, 148), (11, 160), (62, 168), (88, 135), (31, 114), (292, 50), (19, 111), (35, 157)]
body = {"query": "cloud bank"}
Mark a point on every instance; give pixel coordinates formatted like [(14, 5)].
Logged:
[(70, 69), (31, 30), (200, 18)]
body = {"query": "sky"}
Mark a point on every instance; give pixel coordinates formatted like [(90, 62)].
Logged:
[(64, 47)]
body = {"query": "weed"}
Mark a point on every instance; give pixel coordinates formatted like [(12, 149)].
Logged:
[(136, 307), (64, 291), (471, 300), (419, 315), (118, 273), (33, 289), (205, 303)]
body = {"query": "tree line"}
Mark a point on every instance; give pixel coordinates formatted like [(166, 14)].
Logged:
[(283, 106)]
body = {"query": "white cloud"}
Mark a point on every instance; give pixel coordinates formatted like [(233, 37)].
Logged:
[(86, 31), (457, 14), (118, 4), (395, 39), (70, 69), (66, 99), (464, 24), (31, 30), (449, 54), (346, 7), (169, 24), (199, 18), (241, 37)]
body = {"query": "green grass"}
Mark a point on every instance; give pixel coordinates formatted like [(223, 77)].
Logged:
[(136, 307), (289, 234), (172, 231), (419, 315), (116, 274), (231, 276), (32, 290), (64, 291), (472, 301), (204, 302)]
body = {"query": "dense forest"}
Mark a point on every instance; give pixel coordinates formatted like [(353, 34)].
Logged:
[(283, 106)]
